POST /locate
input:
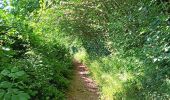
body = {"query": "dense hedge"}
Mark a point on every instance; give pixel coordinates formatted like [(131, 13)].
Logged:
[(129, 42), (34, 63)]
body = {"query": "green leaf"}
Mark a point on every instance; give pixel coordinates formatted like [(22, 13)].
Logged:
[(20, 73), (14, 90), (7, 96), (14, 69), (2, 92), (23, 96), (5, 84), (17, 74), (5, 72), (12, 75), (14, 97)]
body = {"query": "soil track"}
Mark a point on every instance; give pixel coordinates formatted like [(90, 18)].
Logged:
[(82, 86)]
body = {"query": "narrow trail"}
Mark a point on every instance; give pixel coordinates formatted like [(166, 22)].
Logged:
[(82, 87)]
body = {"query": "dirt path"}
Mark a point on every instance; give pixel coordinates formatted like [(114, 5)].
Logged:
[(82, 86)]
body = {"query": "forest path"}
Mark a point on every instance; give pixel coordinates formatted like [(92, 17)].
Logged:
[(82, 87)]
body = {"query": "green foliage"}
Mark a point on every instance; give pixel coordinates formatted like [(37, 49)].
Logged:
[(126, 43), (127, 31), (12, 86), (24, 8), (35, 64)]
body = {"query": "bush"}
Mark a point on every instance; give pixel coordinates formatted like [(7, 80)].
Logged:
[(134, 39), (32, 66)]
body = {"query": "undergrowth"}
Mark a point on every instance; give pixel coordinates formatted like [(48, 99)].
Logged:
[(35, 64)]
